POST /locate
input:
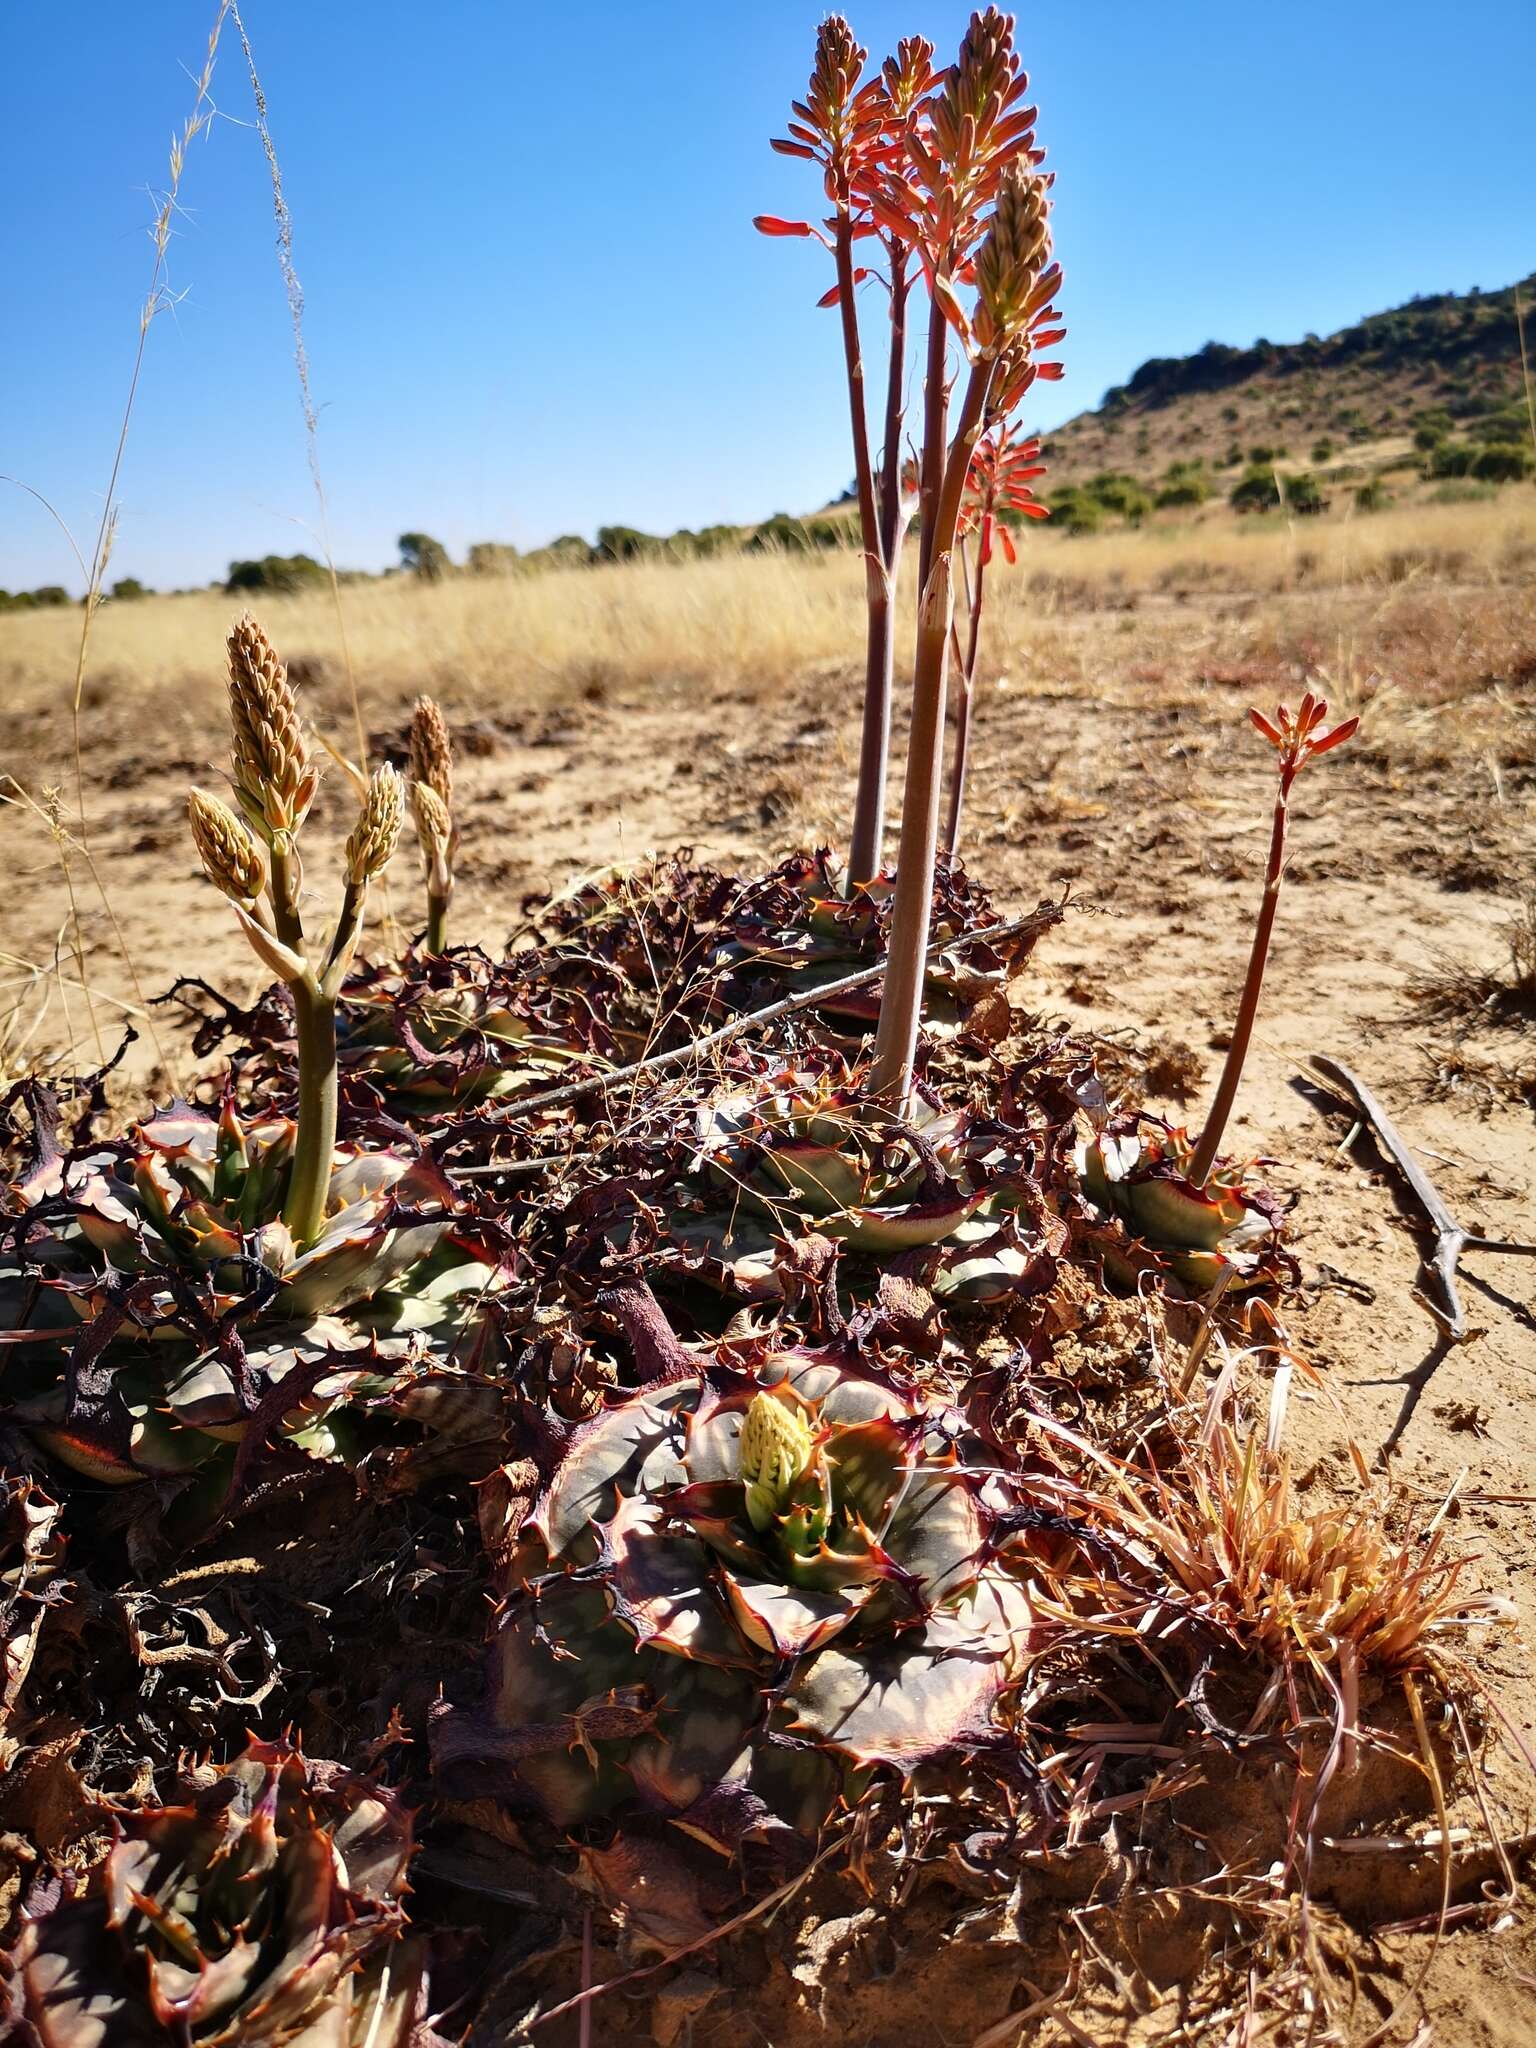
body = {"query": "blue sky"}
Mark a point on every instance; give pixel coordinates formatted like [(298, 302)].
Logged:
[(535, 301)]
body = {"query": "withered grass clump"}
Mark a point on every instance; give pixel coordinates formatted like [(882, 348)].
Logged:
[(1460, 991), (1322, 1588)]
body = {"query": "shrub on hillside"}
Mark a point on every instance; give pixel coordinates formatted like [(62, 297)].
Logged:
[(1183, 490), (1075, 511), (1304, 494), (1502, 462), (1256, 491)]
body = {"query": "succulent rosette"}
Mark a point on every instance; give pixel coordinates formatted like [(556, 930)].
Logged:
[(200, 1313), (798, 929), (759, 1579), (1135, 1174), (265, 1909), (798, 1149), (448, 1032)]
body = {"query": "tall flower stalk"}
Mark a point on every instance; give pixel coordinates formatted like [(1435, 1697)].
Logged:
[(1298, 741), (1002, 469), (853, 129), (253, 858), (927, 168), (1016, 282)]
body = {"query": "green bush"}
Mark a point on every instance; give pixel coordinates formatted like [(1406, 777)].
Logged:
[(1373, 496), (1502, 462), (1449, 458), (1121, 495), (424, 557), (491, 558), (1304, 494), (1257, 491), (129, 587), (1262, 452), (625, 544), (1184, 490), (1233, 456), (1074, 510), (1322, 451), (275, 572)]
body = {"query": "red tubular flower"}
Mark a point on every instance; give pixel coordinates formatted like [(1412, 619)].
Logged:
[(1297, 740), (1300, 740)]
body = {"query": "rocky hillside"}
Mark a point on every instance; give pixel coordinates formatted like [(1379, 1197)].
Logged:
[(1401, 400)]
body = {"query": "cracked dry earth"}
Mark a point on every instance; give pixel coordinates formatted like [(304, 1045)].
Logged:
[(1148, 795)]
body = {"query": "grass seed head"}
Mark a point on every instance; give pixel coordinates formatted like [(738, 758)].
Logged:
[(274, 774), (432, 751), (232, 859), (376, 834)]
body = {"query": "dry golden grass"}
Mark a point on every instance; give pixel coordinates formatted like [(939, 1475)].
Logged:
[(488, 640)]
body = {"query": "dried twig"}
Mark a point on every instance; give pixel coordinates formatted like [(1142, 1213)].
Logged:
[(1451, 1240)]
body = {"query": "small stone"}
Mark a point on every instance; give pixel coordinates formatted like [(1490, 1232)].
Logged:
[(678, 2002)]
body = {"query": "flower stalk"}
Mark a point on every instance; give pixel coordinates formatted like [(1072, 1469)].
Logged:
[(255, 862), (1002, 470), (431, 795), (853, 130), (1297, 741), (1015, 283)]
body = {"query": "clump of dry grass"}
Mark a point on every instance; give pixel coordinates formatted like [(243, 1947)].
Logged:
[(1502, 994), (756, 619)]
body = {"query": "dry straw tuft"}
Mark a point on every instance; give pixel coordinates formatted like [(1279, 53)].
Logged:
[(231, 857), (274, 775), (377, 831)]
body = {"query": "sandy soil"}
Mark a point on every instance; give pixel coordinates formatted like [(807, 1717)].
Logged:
[(1152, 801)]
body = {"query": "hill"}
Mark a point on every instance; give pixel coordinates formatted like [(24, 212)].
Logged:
[(1416, 395)]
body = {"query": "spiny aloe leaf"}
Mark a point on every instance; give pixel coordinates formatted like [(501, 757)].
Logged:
[(788, 1621), (629, 1449), (664, 1590), (904, 1700), (1173, 1213), (232, 1919)]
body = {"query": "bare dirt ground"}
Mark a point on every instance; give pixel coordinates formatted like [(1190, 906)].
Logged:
[(1115, 758)]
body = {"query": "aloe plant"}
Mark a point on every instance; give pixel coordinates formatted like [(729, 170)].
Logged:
[(1137, 1173), (265, 1908), (797, 1151), (166, 1309), (436, 1034), (772, 1576), (254, 860), (793, 930)]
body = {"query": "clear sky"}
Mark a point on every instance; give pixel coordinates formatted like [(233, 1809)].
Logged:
[(535, 300)]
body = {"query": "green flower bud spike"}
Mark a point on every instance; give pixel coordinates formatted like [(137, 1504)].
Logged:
[(776, 1445)]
